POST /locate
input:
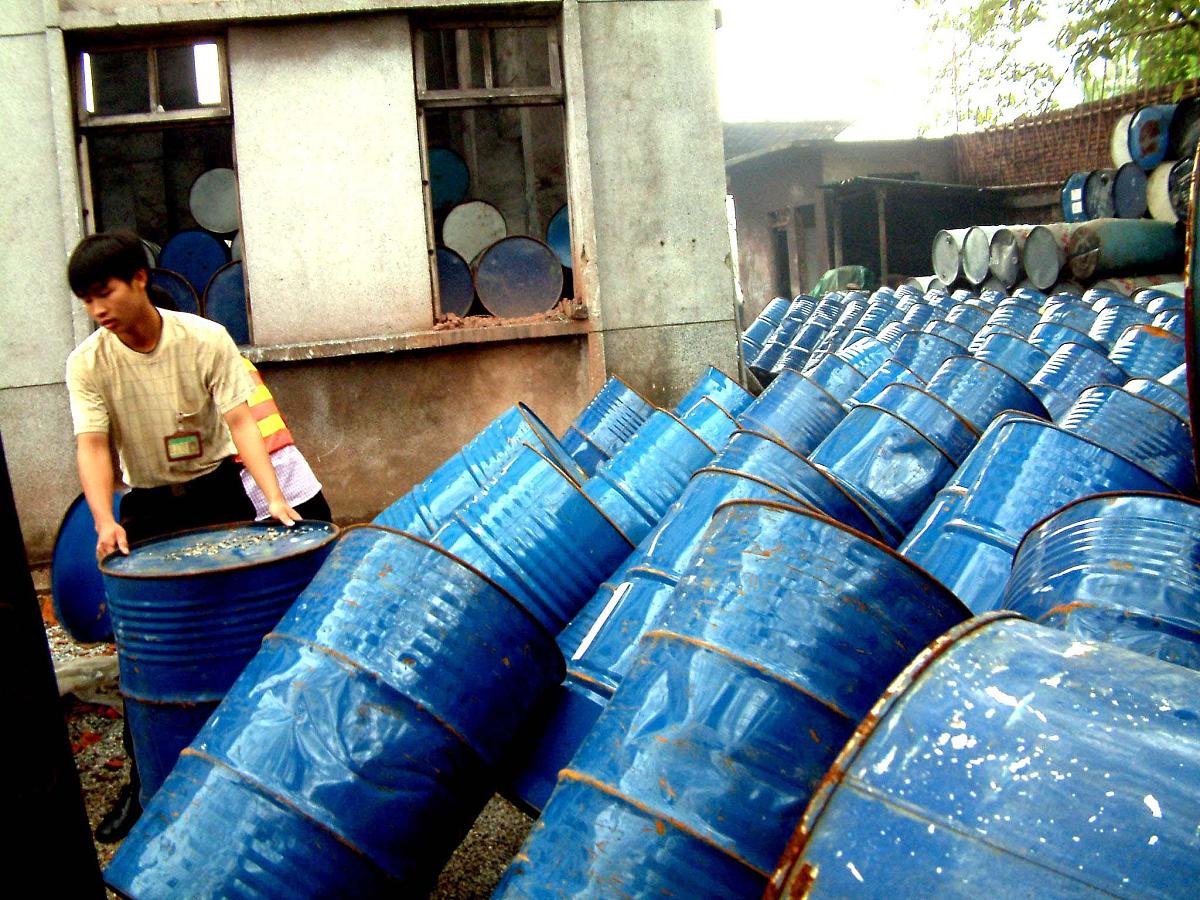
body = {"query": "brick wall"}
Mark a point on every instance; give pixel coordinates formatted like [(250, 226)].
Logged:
[(1047, 149)]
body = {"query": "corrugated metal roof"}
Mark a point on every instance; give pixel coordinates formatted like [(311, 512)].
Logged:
[(744, 139)]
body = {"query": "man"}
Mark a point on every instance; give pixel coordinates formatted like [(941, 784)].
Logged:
[(169, 390)]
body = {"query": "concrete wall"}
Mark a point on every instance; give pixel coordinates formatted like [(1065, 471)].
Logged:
[(330, 178), (662, 244), (789, 178), (40, 321)]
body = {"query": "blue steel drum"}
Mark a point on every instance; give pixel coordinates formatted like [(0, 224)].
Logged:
[(1011, 759), (456, 288), (189, 610), (1072, 198), (924, 353), (1176, 380), (966, 316), (720, 388), (225, 301), (939, 299), (194, 254), (893, 332), (932, 417), (76, 586), (1029, 295), (558, 235), (1136, 429), (1159, 393), (986, 332), (449, 178), (767, 364), (888, 466), (1049, 336), (851, 313), (1171, 320), (1157, 302), (1021, 470), (793, 359), (962, 295), (178, 288), (993, 295), (879, 314), (1146, 135), (801, 307), (1013, 354), (637, 486), (756, 334), (425, 508), (837, 376), (607, 423), (518, 276), (1105, 299), (775, 310), (539, 537), (760, 456), (1068, 373), (710, 422), (979, 391), (600, 641), (920, 313), (586, 453), (1078, 315), (865, 354), (1112, 321), (1148, 352), (1120, 568), (359, 745), (690, 781), (949, 331), (1098, 202), (1129, 192), (891, 372), (795, 411)]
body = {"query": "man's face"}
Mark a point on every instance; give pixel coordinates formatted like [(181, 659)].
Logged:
[(116, 304)]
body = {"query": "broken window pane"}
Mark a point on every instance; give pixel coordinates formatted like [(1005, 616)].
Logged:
[(520, 57)]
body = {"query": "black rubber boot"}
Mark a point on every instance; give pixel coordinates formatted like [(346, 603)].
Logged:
[(118, 821)]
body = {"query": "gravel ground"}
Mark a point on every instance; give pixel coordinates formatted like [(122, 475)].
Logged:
[(94, 729)]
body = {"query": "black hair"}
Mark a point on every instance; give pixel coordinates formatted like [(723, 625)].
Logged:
[(99, 257), (161, 298)]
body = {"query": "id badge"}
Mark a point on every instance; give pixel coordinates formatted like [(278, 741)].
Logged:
[(183, 445)]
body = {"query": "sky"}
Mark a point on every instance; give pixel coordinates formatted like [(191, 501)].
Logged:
[(870, 61)]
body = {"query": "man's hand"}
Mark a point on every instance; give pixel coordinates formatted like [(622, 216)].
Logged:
[(111, 537), (281, 512)]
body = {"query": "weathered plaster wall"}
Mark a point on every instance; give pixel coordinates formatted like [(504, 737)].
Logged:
[(662, 242), (372, 426), (782, 181), (329, 174)]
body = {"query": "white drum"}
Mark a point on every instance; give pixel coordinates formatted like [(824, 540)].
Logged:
[(472, 227)]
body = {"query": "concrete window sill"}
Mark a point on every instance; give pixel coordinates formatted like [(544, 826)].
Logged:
[(413, 340)]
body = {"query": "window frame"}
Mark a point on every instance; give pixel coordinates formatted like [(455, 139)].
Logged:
[(152, 116), (489, 96)]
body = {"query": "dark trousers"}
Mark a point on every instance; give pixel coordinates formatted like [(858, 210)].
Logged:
[(212, 499)]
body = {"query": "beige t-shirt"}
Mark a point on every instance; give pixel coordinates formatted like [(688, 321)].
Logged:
[(185, 384)]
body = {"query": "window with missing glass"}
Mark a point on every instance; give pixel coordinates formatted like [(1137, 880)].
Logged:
[(155, 128), (491, 109)]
